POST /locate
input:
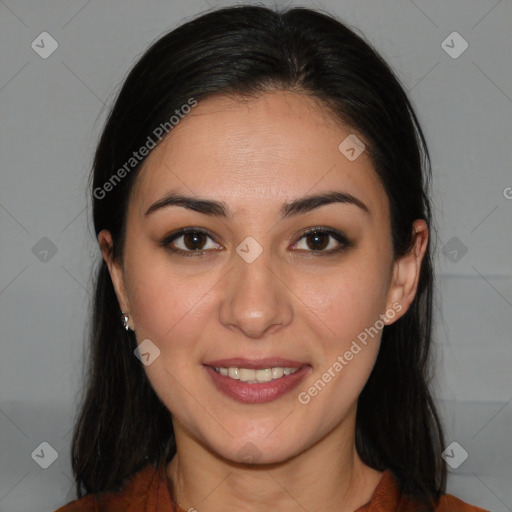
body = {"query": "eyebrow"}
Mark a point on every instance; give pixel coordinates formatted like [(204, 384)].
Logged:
[(220, 209)]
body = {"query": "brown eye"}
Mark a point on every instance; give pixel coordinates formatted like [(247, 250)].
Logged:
[(323, 241), (317, 241), (194, 240), (190, 242)]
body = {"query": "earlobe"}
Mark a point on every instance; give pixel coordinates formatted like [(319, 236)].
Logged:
[(406, 271), (115, 269)]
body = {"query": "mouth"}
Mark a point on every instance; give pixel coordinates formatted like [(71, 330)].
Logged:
[(256, 381)]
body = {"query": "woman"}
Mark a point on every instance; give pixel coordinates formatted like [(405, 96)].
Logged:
[(263, 310)]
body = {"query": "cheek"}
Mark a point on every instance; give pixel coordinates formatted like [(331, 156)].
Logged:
[(171, 310), (344, 310), (346, 318), (346, 300), (167, 301), (167, 306)]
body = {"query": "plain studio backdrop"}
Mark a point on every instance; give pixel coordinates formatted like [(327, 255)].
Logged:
[(61, 66)]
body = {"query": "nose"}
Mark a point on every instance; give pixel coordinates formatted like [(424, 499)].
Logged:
[(256, 300)]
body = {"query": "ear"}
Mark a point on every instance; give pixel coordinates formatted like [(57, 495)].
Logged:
[(116, 273), (406, 272)]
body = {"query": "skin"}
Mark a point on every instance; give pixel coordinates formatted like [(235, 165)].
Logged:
[(254, 155)]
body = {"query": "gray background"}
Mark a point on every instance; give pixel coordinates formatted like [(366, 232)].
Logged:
[(52, 111)]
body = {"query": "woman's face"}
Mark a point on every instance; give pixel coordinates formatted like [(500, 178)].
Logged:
[(253, 286)]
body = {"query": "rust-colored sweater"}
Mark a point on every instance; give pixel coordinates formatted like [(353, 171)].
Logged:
[(147, 491)]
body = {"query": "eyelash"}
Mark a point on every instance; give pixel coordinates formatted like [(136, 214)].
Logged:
[(339, 237)]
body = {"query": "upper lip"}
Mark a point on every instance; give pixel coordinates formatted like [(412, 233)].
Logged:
[(268, 362)]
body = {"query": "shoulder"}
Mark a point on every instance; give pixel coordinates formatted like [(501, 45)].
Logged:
[(85, 504), (137, 487), (388, 498), (449, 503)]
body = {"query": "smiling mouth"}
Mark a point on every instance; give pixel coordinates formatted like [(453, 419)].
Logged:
[(254, 376), (254, 381)]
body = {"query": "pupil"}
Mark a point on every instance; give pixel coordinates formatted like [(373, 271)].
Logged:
[(195, 239), (318, 237)]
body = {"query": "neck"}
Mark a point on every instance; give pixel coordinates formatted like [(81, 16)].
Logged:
[(328, 476)]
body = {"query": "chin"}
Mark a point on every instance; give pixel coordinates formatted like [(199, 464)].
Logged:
[(258, 451)]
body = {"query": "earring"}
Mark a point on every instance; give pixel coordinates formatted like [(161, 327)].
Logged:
[(124, 319)]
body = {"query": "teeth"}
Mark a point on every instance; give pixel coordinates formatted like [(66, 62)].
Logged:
[(234, 373), (253, 376), (277, 373)]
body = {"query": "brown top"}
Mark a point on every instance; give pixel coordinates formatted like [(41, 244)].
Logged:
[(147, 491)]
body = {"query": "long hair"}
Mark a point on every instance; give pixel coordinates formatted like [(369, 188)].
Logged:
[(246, 51)]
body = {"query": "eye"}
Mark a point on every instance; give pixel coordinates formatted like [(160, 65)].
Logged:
[(190, 242), (198, 242), (323, 241)]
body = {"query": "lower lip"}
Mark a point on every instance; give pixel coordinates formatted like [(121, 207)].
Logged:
[(259, 392)]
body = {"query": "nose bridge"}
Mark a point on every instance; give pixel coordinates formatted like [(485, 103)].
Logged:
[(255, 298)]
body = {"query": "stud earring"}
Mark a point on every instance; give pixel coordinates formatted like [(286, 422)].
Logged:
[(124, 319)]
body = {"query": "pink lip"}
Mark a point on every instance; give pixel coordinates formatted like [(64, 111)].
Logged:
[(256, 364), (259, 392)]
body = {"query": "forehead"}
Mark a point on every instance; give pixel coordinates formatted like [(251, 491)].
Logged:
[(271, 148)]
